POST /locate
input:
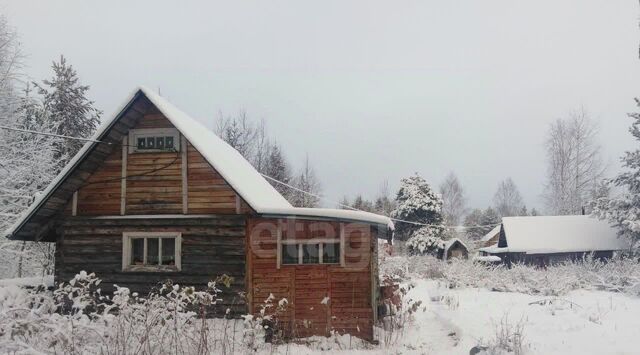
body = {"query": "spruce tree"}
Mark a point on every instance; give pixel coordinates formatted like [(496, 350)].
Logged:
[(277, 167), (417, 202), (624, 211), (71, 113)]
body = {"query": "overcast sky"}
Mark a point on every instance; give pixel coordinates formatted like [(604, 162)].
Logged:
[(371, 91)]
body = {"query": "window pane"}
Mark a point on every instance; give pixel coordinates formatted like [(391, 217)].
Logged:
[(151, 143), (331, 253), (289, 254), (168, 251), (142, 143), (137, 254), (311, 253), (152, 251), (168, 142), (159, 142)]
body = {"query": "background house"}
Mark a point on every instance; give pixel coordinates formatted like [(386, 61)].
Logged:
[(544, 240)]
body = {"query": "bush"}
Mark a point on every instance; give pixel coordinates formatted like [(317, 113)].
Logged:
[(77, 319), (616, 275)]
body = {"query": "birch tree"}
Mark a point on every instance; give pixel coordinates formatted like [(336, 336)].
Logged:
[(507, 199), (453, 200), (307, 181), (574, 164)]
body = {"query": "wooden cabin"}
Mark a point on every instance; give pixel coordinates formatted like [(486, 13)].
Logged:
[(547, 240), (453, 248), (157, 196)]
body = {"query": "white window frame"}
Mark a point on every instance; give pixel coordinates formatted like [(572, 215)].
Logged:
[(127, 237), (320, 241), (134, 134)]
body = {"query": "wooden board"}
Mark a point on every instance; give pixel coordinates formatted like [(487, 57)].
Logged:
[(349, 288)]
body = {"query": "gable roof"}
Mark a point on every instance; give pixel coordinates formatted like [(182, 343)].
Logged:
[(227, 161), (559, 234), (491, 233)]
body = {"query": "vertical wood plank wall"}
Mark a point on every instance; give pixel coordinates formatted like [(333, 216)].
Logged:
[(349, 288), (198, 189)]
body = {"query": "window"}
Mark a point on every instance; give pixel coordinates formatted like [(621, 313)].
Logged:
[(309, 252), (331, 253), (153, 140), (326, 248), (151, 251), (289, 254)]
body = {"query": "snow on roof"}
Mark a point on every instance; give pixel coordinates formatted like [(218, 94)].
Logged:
[(450, 242), (488, 258), (560, 234), (491, 234), (331, 213), (227, 161)]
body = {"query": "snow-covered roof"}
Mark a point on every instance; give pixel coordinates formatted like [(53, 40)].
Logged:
[(488, 258), (559, 234), (227, 161), (450, 242), (330, 213), (491, 234)]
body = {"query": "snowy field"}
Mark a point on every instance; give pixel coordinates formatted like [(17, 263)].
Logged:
[(581, 322), (589, 308)]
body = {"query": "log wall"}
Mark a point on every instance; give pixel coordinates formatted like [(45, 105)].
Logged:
[(211, 247)]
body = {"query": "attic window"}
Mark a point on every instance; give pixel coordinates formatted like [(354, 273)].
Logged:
[(153, 140), (151, 251)]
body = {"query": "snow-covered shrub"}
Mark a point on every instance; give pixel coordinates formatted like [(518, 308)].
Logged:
[(264, 326), (616, 275), (508, 338), (426, 240), (400, 311), (76, 319)]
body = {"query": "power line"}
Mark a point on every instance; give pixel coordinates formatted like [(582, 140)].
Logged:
[(52, 134), (264, 175), (355, 209)]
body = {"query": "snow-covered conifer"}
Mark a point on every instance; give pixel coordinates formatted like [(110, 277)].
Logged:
[(624, 211), (70, 111), (416, 202)]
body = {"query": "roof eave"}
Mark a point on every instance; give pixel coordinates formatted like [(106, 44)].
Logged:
[(76, 160)]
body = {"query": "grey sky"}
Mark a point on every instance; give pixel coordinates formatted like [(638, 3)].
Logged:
[(370, 90)]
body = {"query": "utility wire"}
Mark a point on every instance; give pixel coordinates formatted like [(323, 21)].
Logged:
[(355, 209), (264, 175), (51, 134)]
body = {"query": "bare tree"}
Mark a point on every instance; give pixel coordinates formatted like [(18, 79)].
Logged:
[(239, 132), (27, 161), (384, 203), (507, 199), (574, 163), (11, 58), (306, 181), (453, 200)]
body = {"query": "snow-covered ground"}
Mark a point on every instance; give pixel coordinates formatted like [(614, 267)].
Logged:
[(446, 321), (452, 321), (581, 322)]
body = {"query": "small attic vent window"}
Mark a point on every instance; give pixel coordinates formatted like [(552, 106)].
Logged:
[(153, 140)]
